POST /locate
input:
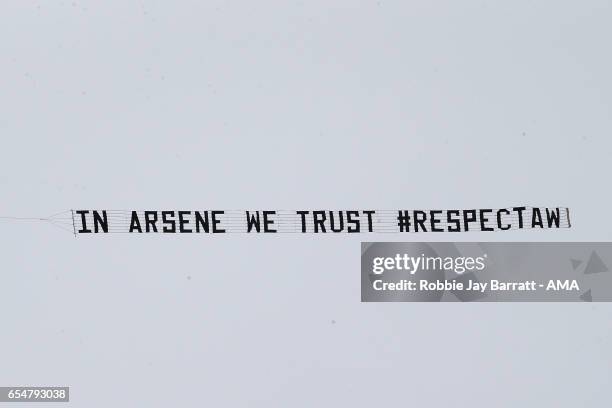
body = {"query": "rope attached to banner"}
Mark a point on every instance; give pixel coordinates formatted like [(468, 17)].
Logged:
[(62, 220)]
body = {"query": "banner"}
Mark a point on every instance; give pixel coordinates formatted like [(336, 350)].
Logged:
[(89, 221)]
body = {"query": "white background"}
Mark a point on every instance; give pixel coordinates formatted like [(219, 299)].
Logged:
[(305, 105)]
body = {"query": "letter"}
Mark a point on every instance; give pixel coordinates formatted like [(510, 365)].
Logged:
[(369, 214), (332, 224), (183, 222), (419, 222), (101, 221), (416, 263), (172, 228), (84, 229), (435, 260), (252, 221), (553, 217), (459, 265), (484, 220), (480, 265), (405, 258), (467, 220), (398, 262), (352, 224), (520, 215), (268, 222), (318, 222), (135, 222), (150, 220), (451, 220), (377, 265), (303, 216), (216, 222), (536, 218), (202, 221), (434, 221), (499, 219), (469, 263)]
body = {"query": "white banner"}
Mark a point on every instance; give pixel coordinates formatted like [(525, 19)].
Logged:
[(316, 221)]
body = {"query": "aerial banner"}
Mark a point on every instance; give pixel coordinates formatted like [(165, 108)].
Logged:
[(309, 221)]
